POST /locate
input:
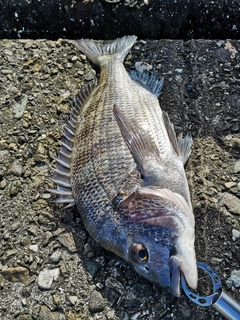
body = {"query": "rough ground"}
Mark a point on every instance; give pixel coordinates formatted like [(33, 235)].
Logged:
[(49, 267)]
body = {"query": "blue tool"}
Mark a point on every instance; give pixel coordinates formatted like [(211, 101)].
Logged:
[(219, 300)]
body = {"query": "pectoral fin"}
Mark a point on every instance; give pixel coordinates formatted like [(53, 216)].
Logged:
[(138, 140)]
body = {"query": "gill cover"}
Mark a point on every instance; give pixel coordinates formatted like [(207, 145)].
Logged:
[(161, 240)]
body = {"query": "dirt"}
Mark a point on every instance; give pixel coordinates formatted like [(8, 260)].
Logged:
[(49, 267)]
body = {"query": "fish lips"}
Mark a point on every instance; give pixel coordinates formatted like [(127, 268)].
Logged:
[(176, 267)]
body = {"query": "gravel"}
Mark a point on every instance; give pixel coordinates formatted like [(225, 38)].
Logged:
[(49, 267)]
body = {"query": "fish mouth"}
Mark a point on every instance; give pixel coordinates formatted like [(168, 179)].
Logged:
[(176, 268)]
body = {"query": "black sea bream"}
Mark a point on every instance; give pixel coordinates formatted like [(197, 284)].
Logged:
[(123, 167)]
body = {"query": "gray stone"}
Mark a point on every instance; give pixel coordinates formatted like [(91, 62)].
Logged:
[(91, 266), (15, 226), (236, 168), (232, 203), (10, 253), (55, 256), (96, 302), (142, 66), (230, 184), (25, 241), (16, 168), (73, 300), (235, 234), (47, 237), (19, 108), (67, 240), (46, 313), (34, 247), (46, 278), (234, 279), (3, 184), (4, 156)]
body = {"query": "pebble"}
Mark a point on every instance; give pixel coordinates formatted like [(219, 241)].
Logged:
[(236, 143), (25, 241), (6, 71), (236, 168), (231, 202), (19, 108), (142, 66), (3, 184), (66, 239), (16, 168), (90, 75), (15, 226), (46, 278), (14, 187), (10, 253), (115, 285), (73, 300), (229, 184), (234, 279), (56, 256), (56, 298), (91, 266), (34, 247), (179, 70), (46, 313), (46, 238), (40, 148), (96, 302), (235, 234), (18, 274)]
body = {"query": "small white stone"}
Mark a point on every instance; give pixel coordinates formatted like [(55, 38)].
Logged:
[(34, 247), (46, 278), (179, 70), (235, 234), (73, 300)]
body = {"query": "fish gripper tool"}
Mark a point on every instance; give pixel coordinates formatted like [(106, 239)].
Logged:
[(219, 300)]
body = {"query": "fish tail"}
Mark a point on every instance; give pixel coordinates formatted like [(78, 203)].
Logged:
[(95, 50)]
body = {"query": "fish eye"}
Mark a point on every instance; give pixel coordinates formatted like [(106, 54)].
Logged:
[(138, 253)]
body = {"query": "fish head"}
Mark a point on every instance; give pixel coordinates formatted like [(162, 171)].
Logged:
[(160, 238)]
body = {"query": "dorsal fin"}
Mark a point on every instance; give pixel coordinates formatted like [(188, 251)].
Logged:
[(62, 175), (182, 146), (148, 80)]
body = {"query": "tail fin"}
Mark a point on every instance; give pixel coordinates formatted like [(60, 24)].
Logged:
[(95, 49)]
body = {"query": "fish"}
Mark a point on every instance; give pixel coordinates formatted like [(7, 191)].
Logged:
[(122, 165)]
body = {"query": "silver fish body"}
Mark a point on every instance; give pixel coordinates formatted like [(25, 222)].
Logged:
[(123, 167)]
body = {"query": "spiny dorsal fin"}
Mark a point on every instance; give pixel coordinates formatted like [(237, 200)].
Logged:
[(62, 175), (139, 142), (181, 146), (148, 80)]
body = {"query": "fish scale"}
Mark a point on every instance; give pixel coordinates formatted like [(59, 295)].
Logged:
[(123, 167)]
